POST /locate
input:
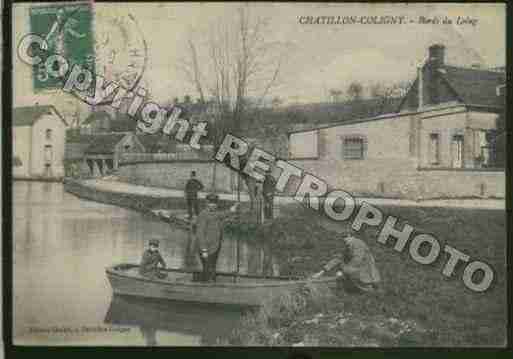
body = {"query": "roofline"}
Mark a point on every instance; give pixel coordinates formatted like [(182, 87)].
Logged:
[(381, 117), (59, 114), (475, 69), (496, 108), (106, 153), (137, 140), (37, 119), (412, 86), (451, 86), (350, 122), (448, 82)]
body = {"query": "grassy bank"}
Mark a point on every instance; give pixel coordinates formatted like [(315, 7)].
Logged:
[(417, 306)]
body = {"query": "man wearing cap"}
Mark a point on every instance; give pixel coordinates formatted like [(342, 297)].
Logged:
[(208, 232), (192, 187), (357, 268), (150, 261)]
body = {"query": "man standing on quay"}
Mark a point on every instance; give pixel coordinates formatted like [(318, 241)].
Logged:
[(268, 193), (192, 188)]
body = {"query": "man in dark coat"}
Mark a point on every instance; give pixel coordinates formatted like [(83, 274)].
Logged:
[(208, 233), (192, 187), (268, 193), (357, 268), (150, 260)]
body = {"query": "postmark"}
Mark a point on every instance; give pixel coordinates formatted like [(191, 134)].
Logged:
[(111, 46), (121, 51)]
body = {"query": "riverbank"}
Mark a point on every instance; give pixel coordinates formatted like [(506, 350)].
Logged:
[(417, 306), (38, 179), (159, 192), (146, 203)]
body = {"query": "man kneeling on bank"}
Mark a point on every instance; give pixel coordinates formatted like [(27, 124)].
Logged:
[(150, 260), (357, 268)]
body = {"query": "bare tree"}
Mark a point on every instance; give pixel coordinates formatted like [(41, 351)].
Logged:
[(276, 102), (336, 95), (234, 65), (355, 91), (386, 94)]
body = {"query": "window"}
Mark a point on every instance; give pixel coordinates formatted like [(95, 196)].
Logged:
[(16, 162), (48, 154), (48, 170), (483, 147), (304, 144), (457, 151), (434, 148), (48, 134), (353, 147)]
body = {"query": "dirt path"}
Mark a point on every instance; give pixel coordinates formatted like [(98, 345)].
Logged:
[(123, 187)]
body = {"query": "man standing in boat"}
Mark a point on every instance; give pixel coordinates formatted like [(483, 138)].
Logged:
[(208, 232), (150, 260), (192, 187), (357, 268)]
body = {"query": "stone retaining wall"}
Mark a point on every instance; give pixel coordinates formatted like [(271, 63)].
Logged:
[(174, 174), (141, 203)]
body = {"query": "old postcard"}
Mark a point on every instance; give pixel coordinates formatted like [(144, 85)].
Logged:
[(275, 174)]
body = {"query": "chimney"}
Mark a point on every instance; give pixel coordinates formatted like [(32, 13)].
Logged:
[(437, 55)]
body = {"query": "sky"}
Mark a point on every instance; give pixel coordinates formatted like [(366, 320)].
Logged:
[(319, 57)]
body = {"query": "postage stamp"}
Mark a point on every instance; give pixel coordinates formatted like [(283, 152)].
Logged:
[(67, 30), (259, 174)]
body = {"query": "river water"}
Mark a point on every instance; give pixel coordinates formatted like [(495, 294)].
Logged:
[(62, 245)]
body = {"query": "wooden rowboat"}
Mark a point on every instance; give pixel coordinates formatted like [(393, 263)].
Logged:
[(229, 288)]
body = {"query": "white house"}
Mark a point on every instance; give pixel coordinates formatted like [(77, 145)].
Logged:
[(38, 142)]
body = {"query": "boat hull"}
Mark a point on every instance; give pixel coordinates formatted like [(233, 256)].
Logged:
[(245, 291)]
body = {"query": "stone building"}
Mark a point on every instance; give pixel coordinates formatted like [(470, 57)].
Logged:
[(103, 122), (438, 143), (38, 142), (103, 153), (74, 154)]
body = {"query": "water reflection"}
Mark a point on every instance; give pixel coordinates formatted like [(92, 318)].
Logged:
[(63, 244), (206, 324)]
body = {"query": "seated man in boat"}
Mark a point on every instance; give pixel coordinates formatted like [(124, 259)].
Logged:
[(208, 233), (150, 260), (357, 268)]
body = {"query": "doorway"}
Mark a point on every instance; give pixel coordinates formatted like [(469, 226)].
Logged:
[(457, 151), (48, 156)]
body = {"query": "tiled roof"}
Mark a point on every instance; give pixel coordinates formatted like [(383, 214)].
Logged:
[(98, 115), (76, 144), (104, 144), (475, 86), (74, 150), (346, 111), (123, 124), (28, 115), (74, 136), (157, 143)]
